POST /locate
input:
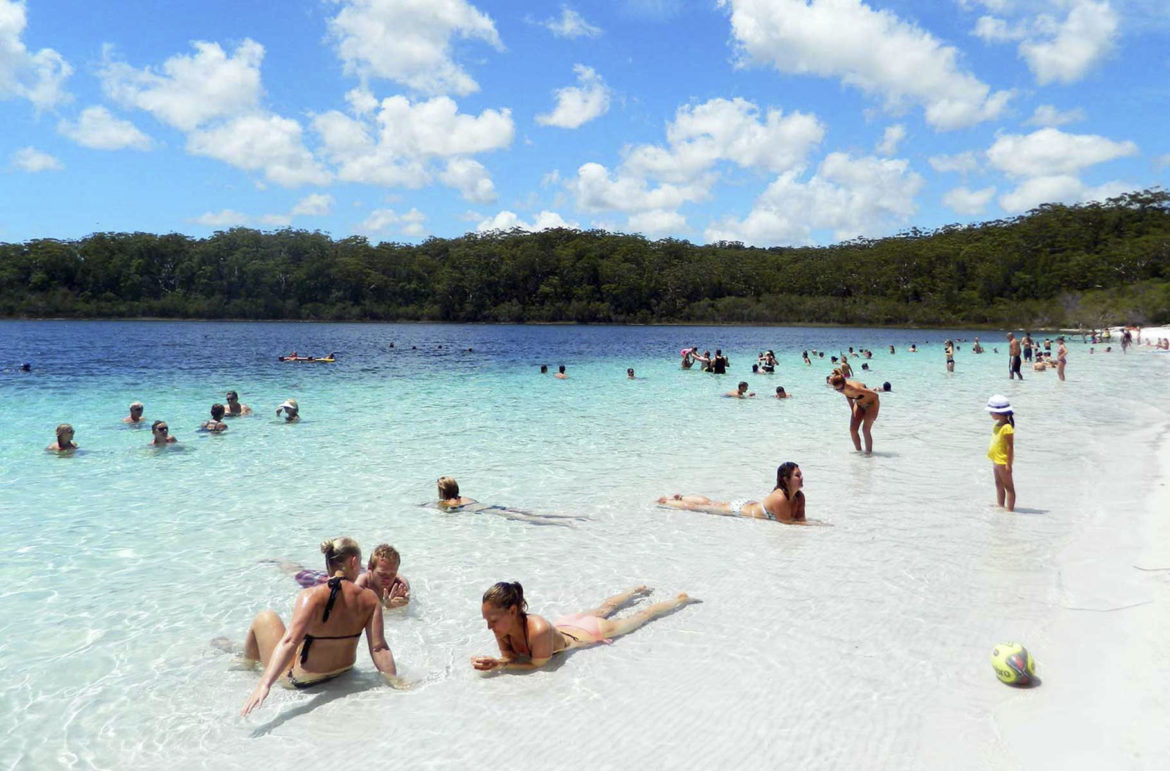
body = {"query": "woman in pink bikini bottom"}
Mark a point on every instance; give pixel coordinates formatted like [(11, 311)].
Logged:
[(528, 641)]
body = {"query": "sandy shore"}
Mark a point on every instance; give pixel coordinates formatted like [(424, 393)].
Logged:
[(1105, 697)]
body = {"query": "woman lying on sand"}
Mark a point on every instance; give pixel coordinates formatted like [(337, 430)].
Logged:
[(451, 500), (332, 615), (528, 641), (784, 504)]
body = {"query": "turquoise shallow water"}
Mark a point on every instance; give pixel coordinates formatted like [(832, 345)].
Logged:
[(123, 562)]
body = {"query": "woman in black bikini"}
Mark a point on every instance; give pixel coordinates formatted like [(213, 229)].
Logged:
[(332, 615), (863, 404)]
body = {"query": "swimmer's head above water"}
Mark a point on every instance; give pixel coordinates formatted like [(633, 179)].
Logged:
[(448, 488)]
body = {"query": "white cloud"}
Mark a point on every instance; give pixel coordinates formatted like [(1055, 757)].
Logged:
[(1162, 162), (570, 25), (313, 205), (1037, 190), (577, 105), (226, 218), (38, 77), (657, 222), (1047, 115), (470, 178), (1060, 50), (33, 160), (732, 130), (1064, 51), (509, 220), (968, 202), (267, 143), (409, 41), (849, 196), (97, 128), (190, 90), (276, 220), (872, 50), (960, 162), (397, 147), (1051, 153), (597, 191), (409, 224), (891, 138)]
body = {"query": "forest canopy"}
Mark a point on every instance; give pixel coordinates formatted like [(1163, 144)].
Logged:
[(1057, 266)]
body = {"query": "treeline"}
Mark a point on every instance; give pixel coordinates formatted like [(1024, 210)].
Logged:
[(1085, 265)]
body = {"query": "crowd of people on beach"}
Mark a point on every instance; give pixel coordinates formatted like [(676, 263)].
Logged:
[(344, 601)]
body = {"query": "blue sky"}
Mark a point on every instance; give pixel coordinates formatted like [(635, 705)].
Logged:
[(772, 122)]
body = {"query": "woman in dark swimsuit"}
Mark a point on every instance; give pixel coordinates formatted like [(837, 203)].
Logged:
[(333, 616)]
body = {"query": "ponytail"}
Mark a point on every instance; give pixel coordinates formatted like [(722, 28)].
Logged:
[(504, 595), (337, 551)]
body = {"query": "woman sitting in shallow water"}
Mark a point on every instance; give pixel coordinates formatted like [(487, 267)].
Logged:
[(784, 504), (451, 500), (528, 641), (333, 616)]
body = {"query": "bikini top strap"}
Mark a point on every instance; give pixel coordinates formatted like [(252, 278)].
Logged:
[(334, 588)]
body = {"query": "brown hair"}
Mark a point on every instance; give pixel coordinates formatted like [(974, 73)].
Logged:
[(217, 410), (783, 474), (62, 429), (337, 551), (383, 551), (836, 379), (504, 595), (448, 488)]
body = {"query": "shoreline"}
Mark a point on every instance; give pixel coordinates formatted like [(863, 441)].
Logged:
[(1100, 655), (729, 324)]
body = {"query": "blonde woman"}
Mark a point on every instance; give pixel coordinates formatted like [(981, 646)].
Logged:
[(451, 500), (64, 441), (863, 404), (321, 641), (528, 641)]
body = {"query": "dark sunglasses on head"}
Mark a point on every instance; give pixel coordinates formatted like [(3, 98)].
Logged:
[(163, 429)]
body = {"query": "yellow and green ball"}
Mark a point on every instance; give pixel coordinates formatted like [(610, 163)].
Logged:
[(1013, 664)]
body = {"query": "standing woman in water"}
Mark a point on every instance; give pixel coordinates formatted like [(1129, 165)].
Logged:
[(863, 404), (528, 641), (1061, 357)]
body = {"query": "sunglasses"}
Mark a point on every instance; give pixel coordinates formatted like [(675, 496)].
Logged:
[(162, 429)]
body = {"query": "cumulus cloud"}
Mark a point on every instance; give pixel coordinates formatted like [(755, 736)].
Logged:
[(597, 190), (891, 138), (1051, 153), (189, 91), (409, 41), (1065, 50), (509, 220), (733, 130), (266, 143), (470, 178), (399, 145), (657, 222), (570, 25), (875, 51), (38, 77), (313, 205), (409, 224), (1056, 49), (1048, 161), (1047, 115), (963, 163), (98, 129), (577, 105), (226, 218), (849, 196), (33, 160), (968, 202)]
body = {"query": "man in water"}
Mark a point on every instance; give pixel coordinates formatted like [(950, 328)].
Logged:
[(1028, 346), (1013, 357), (561, 373), (630, 374), (135, 416), (741, 392), (234, 408)]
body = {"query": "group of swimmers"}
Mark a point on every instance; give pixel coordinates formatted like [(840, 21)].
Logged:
[(161, 432)]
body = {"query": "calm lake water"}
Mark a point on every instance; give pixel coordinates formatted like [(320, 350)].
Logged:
[(813, 647)]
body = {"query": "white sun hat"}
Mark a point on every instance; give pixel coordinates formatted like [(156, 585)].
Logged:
[(999, 403)]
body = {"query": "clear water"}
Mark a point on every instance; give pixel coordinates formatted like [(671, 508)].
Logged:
[(813, 647)]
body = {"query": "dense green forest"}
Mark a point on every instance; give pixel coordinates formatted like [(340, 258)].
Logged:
[(1085, 265)]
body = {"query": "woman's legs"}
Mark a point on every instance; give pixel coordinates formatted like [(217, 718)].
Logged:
[(696, 503), (611, 605), (263, 635), (855, 423), (620, 626), (867, 421), (1060, 369)]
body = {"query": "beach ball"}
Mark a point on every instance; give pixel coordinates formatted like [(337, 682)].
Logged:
[(1014, 665)]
